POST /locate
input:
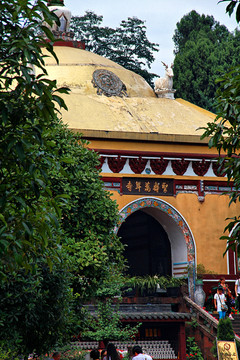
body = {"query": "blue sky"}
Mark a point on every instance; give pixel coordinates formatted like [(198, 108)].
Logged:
[(161, 17)]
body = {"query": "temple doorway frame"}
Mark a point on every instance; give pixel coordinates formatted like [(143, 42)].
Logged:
[(163, 206)]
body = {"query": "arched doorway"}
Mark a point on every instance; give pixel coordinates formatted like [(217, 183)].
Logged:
[(148, 250), (182, 244)]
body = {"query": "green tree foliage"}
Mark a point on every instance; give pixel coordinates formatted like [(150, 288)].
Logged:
[(88, 28), (225, 332), (231, 6), (204, 49), (192, 349), (35, 309), (28, 209), (105, 323), (225, 136), (56, 219), (41, 308), (127, 45), (89, 244)]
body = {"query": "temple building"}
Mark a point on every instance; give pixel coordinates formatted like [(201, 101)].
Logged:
[(164, 178)]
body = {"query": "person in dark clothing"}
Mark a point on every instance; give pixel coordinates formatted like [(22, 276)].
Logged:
[(94, 354), (112, 353)]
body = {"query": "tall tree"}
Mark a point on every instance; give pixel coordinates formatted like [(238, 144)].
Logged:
[(28, 209), (127, 45), (88, 249), (224, 135), (89, 244), (56, 220), (203, 49), (36, 309), (88, 28)]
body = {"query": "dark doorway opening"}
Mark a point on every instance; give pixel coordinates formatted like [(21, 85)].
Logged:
[(148, 250)]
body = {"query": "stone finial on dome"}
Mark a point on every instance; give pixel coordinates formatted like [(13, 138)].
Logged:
[(64, 14), (163, 86)]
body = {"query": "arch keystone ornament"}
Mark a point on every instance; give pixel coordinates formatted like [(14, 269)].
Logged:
[(180, 222)]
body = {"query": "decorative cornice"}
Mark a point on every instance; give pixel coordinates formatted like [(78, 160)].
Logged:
[(200, 167), (116, 164), (141, 136), (180, 166), (159, 154), (159, 163), (158, 166), (218, 169), (137, 165)]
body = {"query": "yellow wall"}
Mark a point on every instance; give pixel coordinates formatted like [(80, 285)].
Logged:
[(206, 221)]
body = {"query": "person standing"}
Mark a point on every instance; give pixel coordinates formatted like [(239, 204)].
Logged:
[(104, 354), (138, 354), (112, 353), (228, 296), (95, 354), (219, 300)]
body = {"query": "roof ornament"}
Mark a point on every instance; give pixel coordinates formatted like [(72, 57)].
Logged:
[(108, 84), (64, 14), (163, 86)]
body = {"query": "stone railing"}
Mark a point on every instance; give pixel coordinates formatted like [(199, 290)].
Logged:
[(205, 320)]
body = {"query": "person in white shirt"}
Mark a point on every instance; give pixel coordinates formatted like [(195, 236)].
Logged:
[(219, 299), (138, 354)]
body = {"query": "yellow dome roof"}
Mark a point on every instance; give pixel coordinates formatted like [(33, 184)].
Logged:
[(140, 115), (76, 67)]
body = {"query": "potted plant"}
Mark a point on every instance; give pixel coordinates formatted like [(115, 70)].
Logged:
[(151, 285), (172, 285)]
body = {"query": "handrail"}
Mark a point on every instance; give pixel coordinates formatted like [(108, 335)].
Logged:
[(205, 314)]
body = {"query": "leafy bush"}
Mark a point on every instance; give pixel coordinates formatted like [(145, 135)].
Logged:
[(193, 351), (7, 353), (106, 325), (67, 352), (225, 332), (35, 310)]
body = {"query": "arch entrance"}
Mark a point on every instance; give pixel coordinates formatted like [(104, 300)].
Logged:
[(148, 250), (154, 227)]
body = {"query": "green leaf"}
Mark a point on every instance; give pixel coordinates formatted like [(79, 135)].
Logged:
[(20, 150), (28, 228)]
